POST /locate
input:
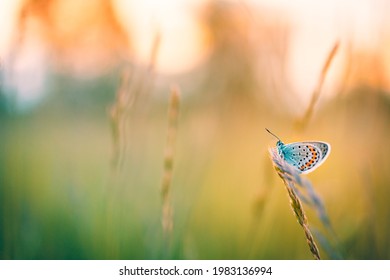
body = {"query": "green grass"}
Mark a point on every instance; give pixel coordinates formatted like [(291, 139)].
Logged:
[(57, 186)]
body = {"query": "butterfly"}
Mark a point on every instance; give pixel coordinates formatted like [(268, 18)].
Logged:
[(304, 156)]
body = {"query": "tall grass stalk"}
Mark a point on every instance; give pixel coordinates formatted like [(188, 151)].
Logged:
[(288, 174), (133, 84), (124, 99), (292, 178), (166, 188), (130, 89), (302, 123)]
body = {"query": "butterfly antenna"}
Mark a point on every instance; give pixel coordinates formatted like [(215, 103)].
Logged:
[(273, 134)]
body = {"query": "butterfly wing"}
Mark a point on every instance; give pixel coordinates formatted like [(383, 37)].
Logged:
[(323, 146), (306, 156)]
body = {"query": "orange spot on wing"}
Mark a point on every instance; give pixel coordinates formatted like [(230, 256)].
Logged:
[(312, 160)]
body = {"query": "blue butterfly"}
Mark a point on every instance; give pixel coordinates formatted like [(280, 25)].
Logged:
[(304, 156)]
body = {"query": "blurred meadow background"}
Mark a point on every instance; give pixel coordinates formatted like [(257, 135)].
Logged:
[(135, 129)]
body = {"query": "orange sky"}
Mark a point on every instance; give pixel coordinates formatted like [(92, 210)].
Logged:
[(316, 26)]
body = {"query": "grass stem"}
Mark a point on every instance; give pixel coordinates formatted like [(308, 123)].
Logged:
[(167, 209), (287, 174), (317, 90)]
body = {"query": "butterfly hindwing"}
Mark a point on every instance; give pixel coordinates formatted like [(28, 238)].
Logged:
[(323, 146)]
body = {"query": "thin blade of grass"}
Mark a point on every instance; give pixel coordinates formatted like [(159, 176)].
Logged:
[(167, 208), (302, 123)]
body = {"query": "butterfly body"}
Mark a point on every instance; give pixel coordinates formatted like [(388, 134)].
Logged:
[(305, 156)]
